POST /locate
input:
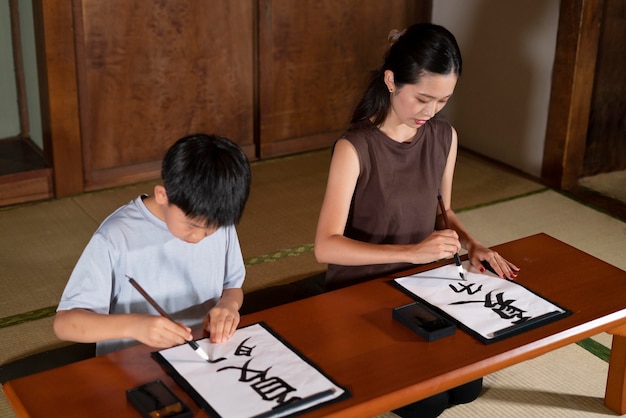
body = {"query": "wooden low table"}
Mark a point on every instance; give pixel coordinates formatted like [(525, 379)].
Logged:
[(351, 336)]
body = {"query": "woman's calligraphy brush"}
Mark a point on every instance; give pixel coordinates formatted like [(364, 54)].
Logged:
[(160, 310), (457, 259)]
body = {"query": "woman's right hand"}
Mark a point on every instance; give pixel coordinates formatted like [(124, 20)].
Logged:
[(439, 245)]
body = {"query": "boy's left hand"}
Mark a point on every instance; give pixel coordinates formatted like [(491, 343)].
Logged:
[(221, 323)]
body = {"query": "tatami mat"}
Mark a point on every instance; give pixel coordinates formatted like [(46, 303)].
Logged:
[(568, 382), (41, 242), (38, 249), (284, 203), (554, 214), (281, 271), (27, 338), (477, 182), (99, 205), (611, 184), (565, 383)]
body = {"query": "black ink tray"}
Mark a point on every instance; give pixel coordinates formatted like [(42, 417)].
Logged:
[(423, 321)]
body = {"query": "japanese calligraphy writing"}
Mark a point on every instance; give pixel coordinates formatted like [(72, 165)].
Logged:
[(503, 307), (270, 388)]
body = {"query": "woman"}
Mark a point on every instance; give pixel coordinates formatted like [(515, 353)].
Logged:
[(380, 213)]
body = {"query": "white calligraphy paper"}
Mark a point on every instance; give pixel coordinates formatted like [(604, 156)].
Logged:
[(252, 374), (484, 303)]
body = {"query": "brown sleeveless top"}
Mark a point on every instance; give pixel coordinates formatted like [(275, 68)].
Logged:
[(395, 199)]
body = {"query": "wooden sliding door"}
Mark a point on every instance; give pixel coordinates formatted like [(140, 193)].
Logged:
[(150, 72), (122, 80), (315, 59)]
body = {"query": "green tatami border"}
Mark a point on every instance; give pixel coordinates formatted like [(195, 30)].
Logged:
[(595, 348), (21, 318), (506, 199), (261, 259), (279, 255)]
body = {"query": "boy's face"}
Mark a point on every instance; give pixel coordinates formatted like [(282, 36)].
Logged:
[(185, 228), (180, 225)]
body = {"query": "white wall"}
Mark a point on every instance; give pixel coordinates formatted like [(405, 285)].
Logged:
[(9, 116), (31, 76), (500, 106), (9, 111)]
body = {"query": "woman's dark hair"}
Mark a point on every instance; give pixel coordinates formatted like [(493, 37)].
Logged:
[(208, 178), (424, 48)]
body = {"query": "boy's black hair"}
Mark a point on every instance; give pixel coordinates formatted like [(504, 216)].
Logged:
[(208, 178)]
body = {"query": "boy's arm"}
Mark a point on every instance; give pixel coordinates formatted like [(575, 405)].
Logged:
[(82, 325), (223, 318)]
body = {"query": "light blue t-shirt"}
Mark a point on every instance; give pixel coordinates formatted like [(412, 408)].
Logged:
[(185, 279)]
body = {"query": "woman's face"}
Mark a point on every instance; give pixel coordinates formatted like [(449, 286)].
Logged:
[(414, 104)]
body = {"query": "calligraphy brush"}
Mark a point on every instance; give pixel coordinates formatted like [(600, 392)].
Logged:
[(160, 310), (457, 259)]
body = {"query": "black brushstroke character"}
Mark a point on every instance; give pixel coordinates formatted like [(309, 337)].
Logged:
[(269, 388), (502, 307), (466, 288), (241, 350)]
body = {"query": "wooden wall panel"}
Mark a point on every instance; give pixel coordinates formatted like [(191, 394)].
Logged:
[(122, 80), (59, 93), (153, 71), (606, 138), (314, 62), (572, 87)]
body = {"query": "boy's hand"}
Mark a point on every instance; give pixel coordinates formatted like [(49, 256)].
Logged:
[(221, 322), (82, 325), (159, 332)]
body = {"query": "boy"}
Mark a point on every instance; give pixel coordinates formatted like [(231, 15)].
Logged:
[(180, 245)]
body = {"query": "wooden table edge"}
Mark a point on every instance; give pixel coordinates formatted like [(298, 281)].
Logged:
[(14, 401)]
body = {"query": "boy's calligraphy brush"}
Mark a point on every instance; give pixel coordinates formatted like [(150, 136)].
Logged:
[(457, 259), (160, 310)]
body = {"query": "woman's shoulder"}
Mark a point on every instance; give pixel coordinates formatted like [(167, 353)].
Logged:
[(359, 128), (361, 132)]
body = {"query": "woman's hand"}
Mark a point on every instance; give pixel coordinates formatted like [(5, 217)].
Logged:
[(502, 267), (437, 246)]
